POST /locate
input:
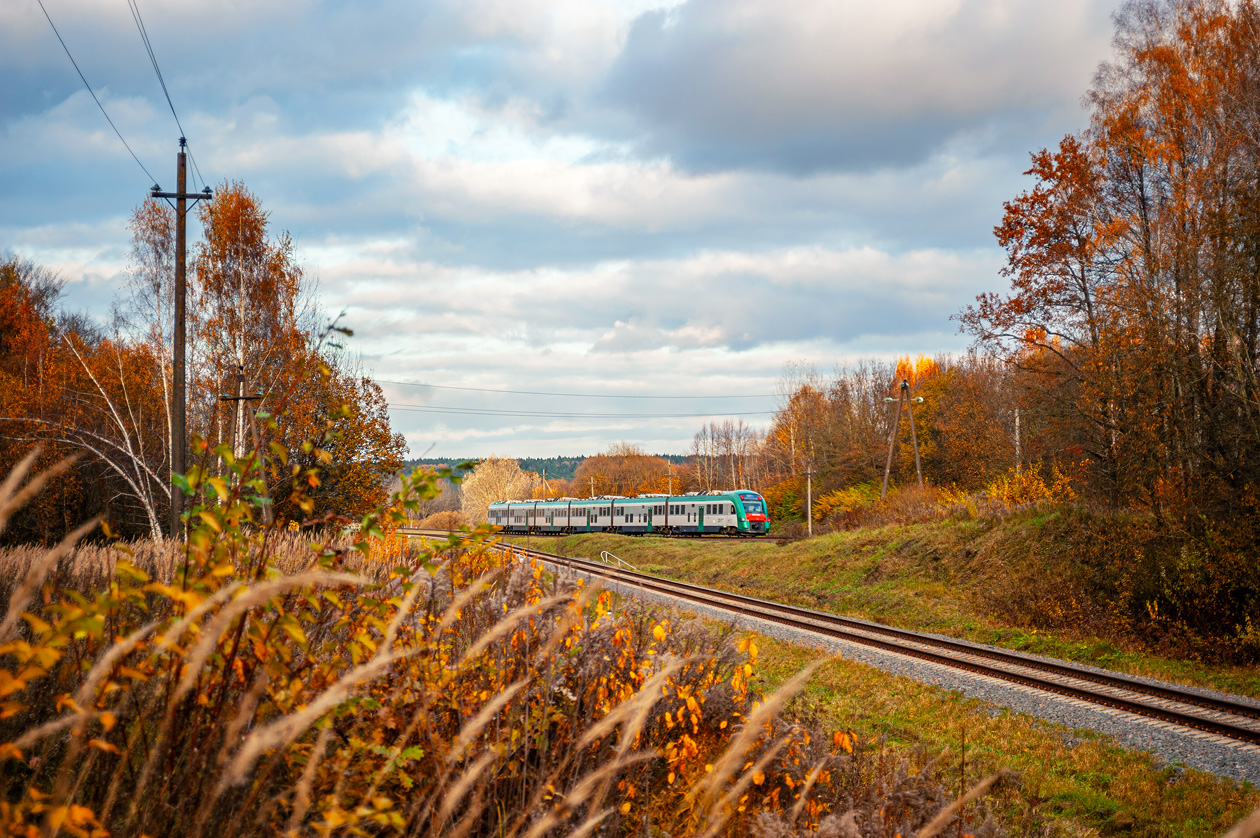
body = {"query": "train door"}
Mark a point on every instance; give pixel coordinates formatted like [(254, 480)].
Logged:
[(701, 518)]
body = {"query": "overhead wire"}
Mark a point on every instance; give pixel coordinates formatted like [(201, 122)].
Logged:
[(93, 92), (148, 47), (548, 414), (134, 6), (193, 160), (571, 395)]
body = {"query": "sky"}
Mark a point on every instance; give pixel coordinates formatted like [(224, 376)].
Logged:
[(650, 206)]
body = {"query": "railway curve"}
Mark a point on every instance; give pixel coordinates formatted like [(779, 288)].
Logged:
[(1236, 719)]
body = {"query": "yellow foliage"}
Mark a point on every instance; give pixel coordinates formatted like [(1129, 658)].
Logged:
[(1030, 487), (843, 500)]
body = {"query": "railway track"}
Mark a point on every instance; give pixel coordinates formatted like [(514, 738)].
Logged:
[(1167, 703)]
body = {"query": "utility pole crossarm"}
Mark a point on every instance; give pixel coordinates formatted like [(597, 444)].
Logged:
[(204, 194)]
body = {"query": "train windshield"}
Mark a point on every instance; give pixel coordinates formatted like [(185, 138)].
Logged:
[(754, 506)]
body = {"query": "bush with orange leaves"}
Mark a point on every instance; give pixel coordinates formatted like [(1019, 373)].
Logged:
[(377, 688)]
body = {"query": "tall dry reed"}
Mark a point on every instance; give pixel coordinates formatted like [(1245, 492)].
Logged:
[(254, 681)]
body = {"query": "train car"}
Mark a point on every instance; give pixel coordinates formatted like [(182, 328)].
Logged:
[(737, 512)]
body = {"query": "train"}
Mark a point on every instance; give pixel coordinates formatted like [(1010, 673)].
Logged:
[(736, 512)]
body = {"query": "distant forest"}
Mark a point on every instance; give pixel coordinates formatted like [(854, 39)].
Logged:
[(554, 467)]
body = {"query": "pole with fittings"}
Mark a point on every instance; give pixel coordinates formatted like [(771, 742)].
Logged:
[(903, 397), (179, 443), (260, 461)]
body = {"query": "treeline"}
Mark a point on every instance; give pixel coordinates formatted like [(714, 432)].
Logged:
[(835, 433), (557, 468), (102, 390)]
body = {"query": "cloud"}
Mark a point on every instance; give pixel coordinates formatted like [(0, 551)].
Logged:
[(625, 196), (731, 300), (845, 84)]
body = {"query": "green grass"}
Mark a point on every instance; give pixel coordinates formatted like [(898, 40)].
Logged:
[(951, 577), (1072, 783)]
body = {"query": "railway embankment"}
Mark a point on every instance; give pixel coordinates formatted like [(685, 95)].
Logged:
[(1083, 770), (1062, 583)]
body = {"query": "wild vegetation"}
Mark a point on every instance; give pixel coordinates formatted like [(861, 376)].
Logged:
[(249, 682)]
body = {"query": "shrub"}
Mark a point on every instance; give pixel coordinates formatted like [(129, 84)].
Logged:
[(1029, 487), (845, 500), (448, 520)]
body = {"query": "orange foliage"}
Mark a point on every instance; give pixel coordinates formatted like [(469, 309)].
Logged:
[(920, 370)]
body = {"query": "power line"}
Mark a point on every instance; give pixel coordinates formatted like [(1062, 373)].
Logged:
[(148, 47), (193, 160), (93, 92), (571, 395), (547, 414)]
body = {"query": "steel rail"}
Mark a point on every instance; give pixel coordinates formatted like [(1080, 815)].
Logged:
[(904, 642)]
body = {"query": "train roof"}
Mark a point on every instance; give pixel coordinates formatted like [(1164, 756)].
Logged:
[(709, 493)]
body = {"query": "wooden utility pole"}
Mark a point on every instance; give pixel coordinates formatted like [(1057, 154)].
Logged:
[(903, 395), (1018, 459), (179, 443), (809, 502), (259, 460)]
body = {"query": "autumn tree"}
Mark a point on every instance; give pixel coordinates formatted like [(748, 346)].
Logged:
[(1134, 263), (252, 296), (29, 390), (255, 316), (624, 469), (494, 479)]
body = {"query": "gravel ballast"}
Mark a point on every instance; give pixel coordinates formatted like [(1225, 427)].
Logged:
[(1170, 743)]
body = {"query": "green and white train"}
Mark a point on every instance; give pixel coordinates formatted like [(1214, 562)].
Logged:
[(733, 513)]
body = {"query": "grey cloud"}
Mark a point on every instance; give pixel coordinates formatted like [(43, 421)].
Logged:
[(825, 85)]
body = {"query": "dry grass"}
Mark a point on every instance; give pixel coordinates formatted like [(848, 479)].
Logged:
[(250, 682), (1073, 783)]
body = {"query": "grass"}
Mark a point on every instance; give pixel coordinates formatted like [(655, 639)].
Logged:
[(1073, 783), (953, 577)]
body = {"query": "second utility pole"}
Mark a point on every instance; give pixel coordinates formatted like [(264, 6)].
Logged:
[(179, 443), (903, 395)]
